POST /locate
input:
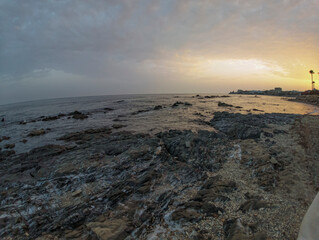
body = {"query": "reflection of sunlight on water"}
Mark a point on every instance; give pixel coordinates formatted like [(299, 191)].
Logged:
[(195, 117), (202, 110)]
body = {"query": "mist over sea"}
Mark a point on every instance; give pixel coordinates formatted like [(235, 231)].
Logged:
[(136, 113)]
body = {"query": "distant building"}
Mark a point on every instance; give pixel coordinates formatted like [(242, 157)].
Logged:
[(272, 92)]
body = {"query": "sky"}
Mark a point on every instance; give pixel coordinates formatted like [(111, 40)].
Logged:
[(65, 48)]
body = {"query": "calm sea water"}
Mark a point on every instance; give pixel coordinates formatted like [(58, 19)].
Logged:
[(151, 121)]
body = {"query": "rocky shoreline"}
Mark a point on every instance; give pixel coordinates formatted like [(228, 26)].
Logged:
[(252, 178), (309, 99)]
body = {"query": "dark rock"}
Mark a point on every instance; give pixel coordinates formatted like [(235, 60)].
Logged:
[(201, 122), (257, 110), (210, 96), (199, 114), (51, 118), (5, 138), (268, 134), (176, 104), (9, 146), (147, 177), (43, 152), (140, 111), (222, 104), (204, 207), (74, 220), (213, 96), (78, 115), (277, 131), (249, 196), (24, 140), (253, 204), (144, 189), (87, 135), (108, 109), (220, 185), (260, 236), (5, 154), (158, 107), (114, 148), (185, 215), (2, 120), (74, 113), (118, 120), (117, 126), (234, 230), (90, 178), (201, 153), (236, 125), (35, 133), (210, 195), (213, 190)]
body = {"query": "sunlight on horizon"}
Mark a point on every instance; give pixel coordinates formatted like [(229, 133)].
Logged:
[(250, 73)]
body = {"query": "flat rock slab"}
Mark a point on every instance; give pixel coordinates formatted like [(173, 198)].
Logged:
[(110, 229)]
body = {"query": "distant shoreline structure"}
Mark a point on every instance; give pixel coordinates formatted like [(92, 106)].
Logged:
[(272, 92)]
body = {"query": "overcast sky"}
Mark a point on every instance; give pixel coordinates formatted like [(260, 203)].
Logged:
[(73, 48)]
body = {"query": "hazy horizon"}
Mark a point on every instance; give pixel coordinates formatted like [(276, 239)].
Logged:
[(57, 49)]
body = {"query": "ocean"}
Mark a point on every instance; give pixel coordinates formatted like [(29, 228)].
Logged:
[(135, 113)]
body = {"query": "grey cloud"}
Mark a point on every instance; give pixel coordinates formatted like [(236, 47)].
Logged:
[(99, 38)]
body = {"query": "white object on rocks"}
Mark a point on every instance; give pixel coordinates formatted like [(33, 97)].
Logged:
[(309, 229)]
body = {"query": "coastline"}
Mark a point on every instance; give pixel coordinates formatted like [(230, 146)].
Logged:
[(252, 178), (309, 99)]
